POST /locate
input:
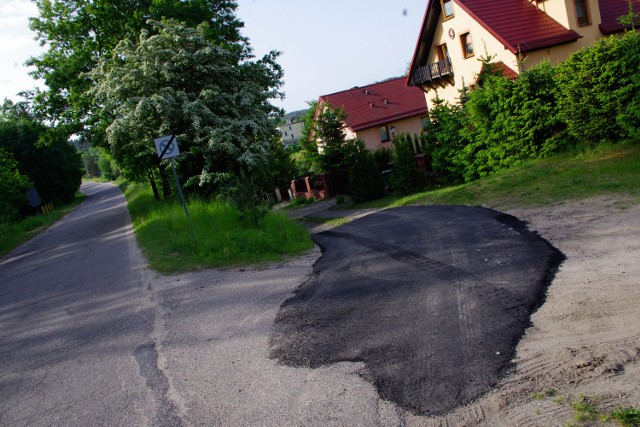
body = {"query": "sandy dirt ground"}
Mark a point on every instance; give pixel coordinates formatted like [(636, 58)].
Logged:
[(585, 339)]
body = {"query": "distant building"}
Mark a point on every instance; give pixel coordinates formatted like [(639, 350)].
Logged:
[(517, 34), (374, 113), (290, 133)]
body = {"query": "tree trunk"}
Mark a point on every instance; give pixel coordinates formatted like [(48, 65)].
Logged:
[(154, 187)]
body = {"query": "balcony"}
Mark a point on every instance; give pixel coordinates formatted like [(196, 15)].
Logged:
[(437, 73)]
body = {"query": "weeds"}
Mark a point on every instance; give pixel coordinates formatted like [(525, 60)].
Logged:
[(216, 235), (586, 411)]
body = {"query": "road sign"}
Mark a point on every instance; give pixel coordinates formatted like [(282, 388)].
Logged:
[(167, 146)]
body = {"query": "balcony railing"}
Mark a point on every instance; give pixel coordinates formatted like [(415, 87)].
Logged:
[(430, 72)]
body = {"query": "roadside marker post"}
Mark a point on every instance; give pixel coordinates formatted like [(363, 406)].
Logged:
[(167, 148)]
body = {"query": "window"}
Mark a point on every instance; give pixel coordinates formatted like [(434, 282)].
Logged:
[(442, 52), (582, 12), (467, 45), (447, 8), (384, 133), (426, 123)]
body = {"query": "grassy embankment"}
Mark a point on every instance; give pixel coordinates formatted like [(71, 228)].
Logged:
[(606, 170), (214, 236), (12, 235)]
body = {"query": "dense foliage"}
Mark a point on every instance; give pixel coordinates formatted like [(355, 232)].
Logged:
[(176, 82), (593, 96), (327, 144), (43, 158), (365, 180), (121, 73), (599, 90), (510, 121), (79, 33), (407, 178), (13, 186)]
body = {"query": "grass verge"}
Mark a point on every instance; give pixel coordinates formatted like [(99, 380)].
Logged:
[(605, 170), (13, 235), (213, 237)]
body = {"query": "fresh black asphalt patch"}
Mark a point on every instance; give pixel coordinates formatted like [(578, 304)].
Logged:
[(432, 299)]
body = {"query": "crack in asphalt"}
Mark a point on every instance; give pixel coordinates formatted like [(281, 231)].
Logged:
[(167, 414)]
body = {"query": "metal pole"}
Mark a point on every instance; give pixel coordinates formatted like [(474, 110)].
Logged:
[(175, 175)]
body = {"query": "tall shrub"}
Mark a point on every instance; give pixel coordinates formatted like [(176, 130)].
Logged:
[(444, 140), (12, 188), (512, 121), (407, 177), (598, 89), (365, 180)]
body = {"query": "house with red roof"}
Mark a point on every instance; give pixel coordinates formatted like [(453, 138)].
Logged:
[(374, 113), (515, 34)]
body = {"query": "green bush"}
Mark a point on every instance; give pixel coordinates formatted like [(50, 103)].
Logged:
[(407, 177), (382, 156), (365, 180), (13, 186), (50, 162), (598, 89), (445, 140), (511, 121)]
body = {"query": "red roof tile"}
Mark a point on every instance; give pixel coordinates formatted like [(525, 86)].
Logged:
[(369, 106), (611, 10), (518, 24), (501, 68)]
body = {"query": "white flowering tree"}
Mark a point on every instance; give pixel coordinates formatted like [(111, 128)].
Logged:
[(215, 99)]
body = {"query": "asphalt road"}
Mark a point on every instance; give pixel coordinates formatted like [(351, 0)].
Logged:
[(433, 301), (72, 311), (90, 336)]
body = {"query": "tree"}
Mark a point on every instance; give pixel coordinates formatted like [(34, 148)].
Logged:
[(13, 186), (44, 157), (407, 177), (175, 81), (445, 141), (79, 33), (365, 180), (329, 138)]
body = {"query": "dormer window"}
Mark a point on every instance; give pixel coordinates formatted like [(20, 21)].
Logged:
[(447, 8)]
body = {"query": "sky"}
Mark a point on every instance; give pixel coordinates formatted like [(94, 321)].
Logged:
[(327, 46)]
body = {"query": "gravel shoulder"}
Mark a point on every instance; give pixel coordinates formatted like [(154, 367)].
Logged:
[(585, 339)]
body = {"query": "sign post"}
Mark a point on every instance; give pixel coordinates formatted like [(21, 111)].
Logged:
[(167, 148)]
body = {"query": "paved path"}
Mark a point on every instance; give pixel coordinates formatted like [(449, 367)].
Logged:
[(73, 310), (90, 337)]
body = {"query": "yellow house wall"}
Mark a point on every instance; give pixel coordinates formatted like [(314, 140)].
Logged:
[(371, 136), (465, 70), (564, 11)]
